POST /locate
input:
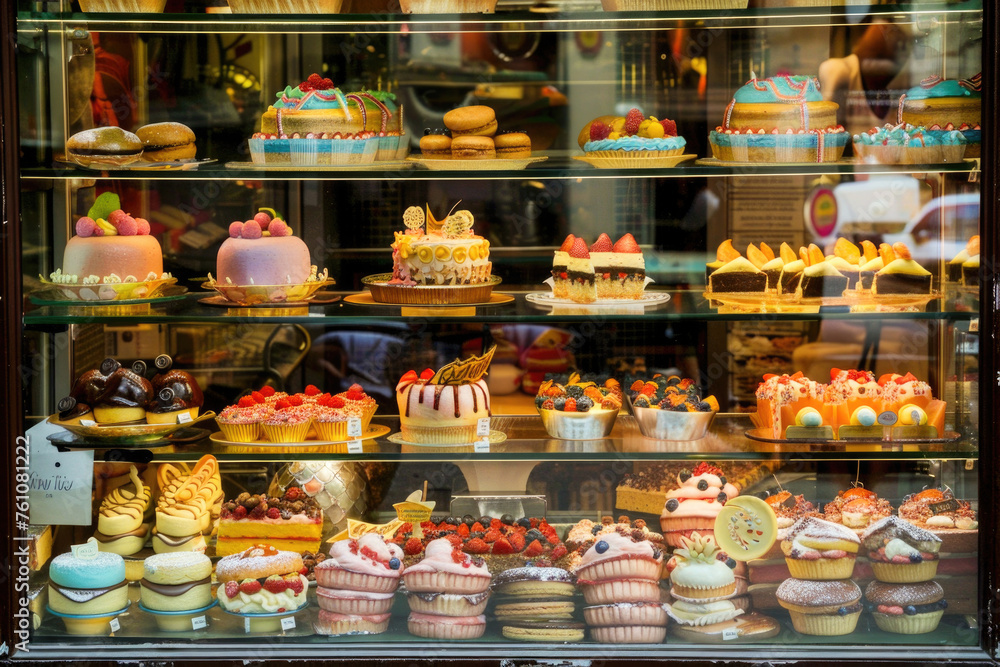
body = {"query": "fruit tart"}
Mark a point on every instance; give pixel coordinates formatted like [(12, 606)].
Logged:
[(671, 408), (579, 410)]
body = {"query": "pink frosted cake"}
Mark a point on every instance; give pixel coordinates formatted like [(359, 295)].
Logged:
[(364, 564), (455, 575), (694, 505), (263, 251)]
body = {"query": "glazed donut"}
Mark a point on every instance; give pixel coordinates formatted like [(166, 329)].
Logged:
[(257, 562)]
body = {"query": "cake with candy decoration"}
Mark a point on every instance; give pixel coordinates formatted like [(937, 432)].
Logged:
[(439, 252), (779, 119), (944, 105)]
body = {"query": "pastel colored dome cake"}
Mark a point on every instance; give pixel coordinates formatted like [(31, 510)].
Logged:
[(444, 252), (779, 119), (263, 251), (946, 104), (433, 412)]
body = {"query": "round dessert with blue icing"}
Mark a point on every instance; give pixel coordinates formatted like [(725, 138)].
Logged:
[(944, 105), (633, 136), (630, 144), (87, 585), (907, 144)]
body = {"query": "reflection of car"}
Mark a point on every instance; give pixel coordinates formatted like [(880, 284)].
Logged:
[(941, 229)]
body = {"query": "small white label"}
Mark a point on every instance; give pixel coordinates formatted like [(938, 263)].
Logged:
[(88, 422), (198, 622), (288, 623), (184, 418), (730, 634), (481, 446), (246, 624), (354, 427), (86, 551), (115, 625), (354, 447), (483, 427)]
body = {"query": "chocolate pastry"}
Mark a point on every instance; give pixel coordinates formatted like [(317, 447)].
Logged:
[(124, 388), (175, 390)]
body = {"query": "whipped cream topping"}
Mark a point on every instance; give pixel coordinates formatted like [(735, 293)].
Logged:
[(441, 556), (368, 554), (618, 546)]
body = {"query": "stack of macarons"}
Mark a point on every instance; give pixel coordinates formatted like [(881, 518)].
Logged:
[(447, 592), (904, 558), (536, 603), (471, 134), (356, 586), (620, 579), (820, 596)]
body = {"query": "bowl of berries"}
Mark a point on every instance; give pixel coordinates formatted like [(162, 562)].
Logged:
[(579, 410), (671, 408)]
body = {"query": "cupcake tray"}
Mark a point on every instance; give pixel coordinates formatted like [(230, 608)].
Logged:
[(102, 294), (496, 164), (626, 162), (496, 437), (428, 295), (133, 434), (759, 302), (763, 435), (374, 431)]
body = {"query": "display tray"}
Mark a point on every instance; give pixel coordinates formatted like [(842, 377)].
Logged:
[(761, 435), (857, 303), (268, 295), (317, 299), (374, 431), (716, 162), (101, 294), (51, 297), (428, 295), (648, 299), (496, 437), (366, 299), (179, 437), (671, 5), (626, 162), (134, 434), (385, 165), (141, 165), (497, 164)]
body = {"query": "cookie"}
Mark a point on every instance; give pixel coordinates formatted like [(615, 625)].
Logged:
[(535, 582), (544, 631), (534, 608)]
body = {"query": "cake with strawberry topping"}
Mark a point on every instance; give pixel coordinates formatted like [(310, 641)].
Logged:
[(627, 277), (261, 580), (293, 522), (695, 503), (445, 569), (439, 252), (944, 105), (356, 585), (560, 269), (580, 271), (634, 136)]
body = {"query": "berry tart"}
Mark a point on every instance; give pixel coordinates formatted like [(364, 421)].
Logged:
[(633, 138), (579, 410), (671, 408)]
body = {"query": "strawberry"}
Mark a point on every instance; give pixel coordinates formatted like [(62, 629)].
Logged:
[(282, 404), (409, 376), (246, 402), (492, 535), (456, 540), (579, 249), (257, 397), (567, 244), (274, 513), (295, 400), (552, 539), (232, 589), (669, 127), (463, 530), (477, 528), (706, 468), (250, 586), (427, 525), (356, 387), (275, 584), (534, 522), (267, 391), (570, 405), (354, 395), (495, 524), (336, 402), (602, 244), (476, 546), (413, 546), (559, 551), (427, 374), (626, 244), (295, 585), (599, 131), (405, 528), (517, 541), (312, 390), (632, 121), (534, 549), (457, 556), (502, 547)]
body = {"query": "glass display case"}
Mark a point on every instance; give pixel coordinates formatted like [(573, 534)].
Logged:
[(696, 287)]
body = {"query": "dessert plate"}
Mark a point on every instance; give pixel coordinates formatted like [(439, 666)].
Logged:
[(181, 437), (128, 434), (177, 621), (266, 622), (374, 431), (54, 297), (496, 437), (626, 162), (384, 165), (251, 295), (547, 299), (497, 164), (764, 435), (858, 303), (88, 624), (104, 293), (366, 299), (222, 302), (141, 165), (427, 295)]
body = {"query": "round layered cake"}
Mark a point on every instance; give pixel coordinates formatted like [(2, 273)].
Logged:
[(446, 253), (941, 105), (431, 413), (263, 251), (779, 119)]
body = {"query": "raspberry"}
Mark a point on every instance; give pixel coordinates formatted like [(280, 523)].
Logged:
[(599, 131), (534, 549), (267, 391), (669, 127), (502, 546), (336, 402), (257, 397), (353, 395), (314, 78), (311, 390), (632, 121), (240, 512), (293, 493), (549, 404), (275, 584), (413, 546), (295, 585), (282, 404), (570, 405), (295, 400), (246, 402), (559, 551), (274, 513), (232, 589), (250, 586)]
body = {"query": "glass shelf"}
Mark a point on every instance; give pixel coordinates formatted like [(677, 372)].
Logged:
[(528, 441), (556, 167), (554, 16), (684, 305)]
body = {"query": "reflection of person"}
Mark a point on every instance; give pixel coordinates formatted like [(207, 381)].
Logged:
[(868, 82)]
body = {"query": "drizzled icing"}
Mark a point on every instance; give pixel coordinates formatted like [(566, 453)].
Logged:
[(420, 395)]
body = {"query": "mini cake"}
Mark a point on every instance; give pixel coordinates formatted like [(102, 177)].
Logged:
[(954, 267), (942, 105), (773, 264), (356, 586), (261, 580), (262, 251), (445, 569), (738, 275), (176, 582), (724, 254), (906, 144), (699, 570), (791, 275), (780, 399), (694, 505), (825, 608), (123, 521), (432, 252), (123, 395), (186, 506), (857, 508), (951, 519), (83, 586), (901, 553), (293, 522), (820, 550), (902, 275), (779, 119), (581, 274), (871, 262), (906, 609), (585, 532), (856, 397), (627, 277), (821, 279), (634, 136), (439, 408), (110, 246), (560, 269), (176, 393)]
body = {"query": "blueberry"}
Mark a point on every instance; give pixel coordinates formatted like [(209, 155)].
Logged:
[(485, 521), (731, 563), (672, 505), (507, 519), (702, 406), (478, 533), (394, 563), (722, 480), (764, 495), (722, 497), (601, 547), (535, 534), (539, 400), (524, 522), (656, 553), (593, 531), (680, 407), (574, 391), (559, 403), (910, 610), (916, 558), (584, 404), (641, 402), (702, 484), (450, 520), (468, 520), (684, 475), (673, 381), (842, 611)]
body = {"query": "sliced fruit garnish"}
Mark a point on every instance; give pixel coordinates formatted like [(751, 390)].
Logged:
[(815, 254), (886, 253), (847, 250), (756, 257), (726, 251), (786, 253), (869, 250)]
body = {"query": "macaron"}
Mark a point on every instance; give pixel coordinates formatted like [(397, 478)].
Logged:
[(517, 607), (176, 581), (436, 144), (535, 582), (512, 145), (543, 631), (906, 609), (99, 146), (473, 147), (823, 608), (87, 585), (475, 120), (164, 142)]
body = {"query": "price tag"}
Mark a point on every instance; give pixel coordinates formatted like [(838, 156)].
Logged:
[(354, 427), (481, 446), (115, 625), (246, 624), (354, 447), (974, 326), (184, 418), (729, 634), (483, 427), (86, 551), (88, 422), (887, 418), (288, 623), (198, 622)]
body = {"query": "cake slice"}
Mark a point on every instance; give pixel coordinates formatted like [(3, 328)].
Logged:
[(903, 275), (739, 275), (628, 262), (293, 522), (604, 274), (580, 270), (560, 262)]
